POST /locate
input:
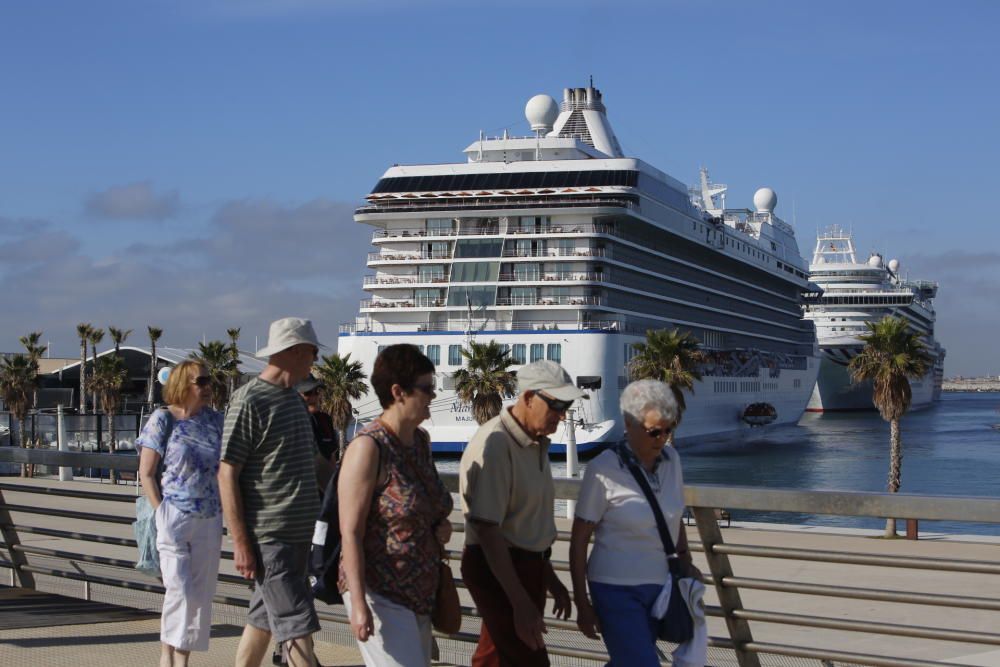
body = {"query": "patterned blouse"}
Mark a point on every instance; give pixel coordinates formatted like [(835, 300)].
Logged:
[(401, 550), (189, 480)]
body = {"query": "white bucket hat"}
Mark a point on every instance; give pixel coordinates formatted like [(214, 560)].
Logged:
[(548, 376), (285, 333)]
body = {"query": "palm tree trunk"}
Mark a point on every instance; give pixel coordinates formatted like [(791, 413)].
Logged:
[(21, 443), (112, 440), (152, 370), (93, 394), (895, 469), (341, 443), (83, 377)]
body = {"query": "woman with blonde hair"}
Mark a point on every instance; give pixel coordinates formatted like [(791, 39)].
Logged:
[(186, 436)]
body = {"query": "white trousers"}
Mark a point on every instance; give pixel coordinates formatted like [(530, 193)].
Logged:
[(189, 548), (401, 639)]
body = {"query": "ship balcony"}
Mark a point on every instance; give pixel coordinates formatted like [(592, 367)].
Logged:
[(556, 252), (562, 276), (382, 304), (405, 257), (408, 281), (370, 326), (380, 235), (561, 300)]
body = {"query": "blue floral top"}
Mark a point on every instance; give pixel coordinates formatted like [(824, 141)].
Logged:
[(189, 481)]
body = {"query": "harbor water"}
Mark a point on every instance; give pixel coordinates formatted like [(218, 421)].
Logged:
[(949, 449)]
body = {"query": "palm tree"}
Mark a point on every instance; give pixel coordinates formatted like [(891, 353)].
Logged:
[(118, 337), (154, 335), (83, 333), (32, 344), (17, 379), (96, 336), (106, 382), (486, 380), (893, 355), (217, 360), (343, 381), (234, 336), (671, 356)]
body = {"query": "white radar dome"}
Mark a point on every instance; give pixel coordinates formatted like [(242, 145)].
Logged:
[(894, 265), (875, 261), (541, 112), (764, 200)]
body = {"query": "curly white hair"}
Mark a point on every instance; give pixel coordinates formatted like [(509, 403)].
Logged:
[(641, 396)]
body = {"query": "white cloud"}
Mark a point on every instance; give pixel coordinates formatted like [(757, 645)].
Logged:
[(133, 201)]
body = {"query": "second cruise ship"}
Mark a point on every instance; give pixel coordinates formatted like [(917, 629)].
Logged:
[(560, 247), (855, 293)]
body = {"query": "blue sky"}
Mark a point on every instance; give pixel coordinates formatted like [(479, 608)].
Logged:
[(194, 164)]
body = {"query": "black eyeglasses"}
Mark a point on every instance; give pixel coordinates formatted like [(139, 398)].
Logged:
[(426, 388), (554, 403), (202, 381), (659, 432), (311, 392)]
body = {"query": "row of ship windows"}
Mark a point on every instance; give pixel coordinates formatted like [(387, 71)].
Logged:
[(520, 353), (531, 179), (737, 386)]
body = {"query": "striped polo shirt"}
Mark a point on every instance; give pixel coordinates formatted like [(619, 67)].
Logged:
[(268, 432)]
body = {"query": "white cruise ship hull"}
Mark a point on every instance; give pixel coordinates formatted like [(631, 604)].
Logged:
[(714, 411), (835, 392)]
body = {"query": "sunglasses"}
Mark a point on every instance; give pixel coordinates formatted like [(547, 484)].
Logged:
[(202, 381), (658, 432), (428, 389), (554, 403)]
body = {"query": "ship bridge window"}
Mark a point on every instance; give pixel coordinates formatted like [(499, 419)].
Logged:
[(478, 247), (588, 381), (537, 352), (475, 272), (554, 352), (454, 355), (505, 180)]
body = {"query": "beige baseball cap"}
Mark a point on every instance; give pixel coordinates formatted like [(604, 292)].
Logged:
[(548, 376)]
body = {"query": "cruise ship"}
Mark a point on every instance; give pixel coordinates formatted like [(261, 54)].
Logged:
[(558, 246), (855, 293)]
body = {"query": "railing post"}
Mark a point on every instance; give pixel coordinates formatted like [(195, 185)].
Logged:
[(9, 532), (729, 598), (65, 472)]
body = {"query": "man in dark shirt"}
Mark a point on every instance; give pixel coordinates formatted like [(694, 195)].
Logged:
[(327, 441)]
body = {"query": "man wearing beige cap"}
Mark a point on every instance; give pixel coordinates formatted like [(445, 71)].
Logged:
[(507, 498), (267, 480)]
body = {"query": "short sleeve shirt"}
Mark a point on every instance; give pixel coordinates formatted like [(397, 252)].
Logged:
[(627, 548), (191, 465), (505, 479), (268, 432)]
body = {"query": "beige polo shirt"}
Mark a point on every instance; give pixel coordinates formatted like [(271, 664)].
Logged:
[(505, 478)]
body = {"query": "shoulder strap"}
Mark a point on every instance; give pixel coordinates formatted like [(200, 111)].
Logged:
[(661, 523), (167, 431)]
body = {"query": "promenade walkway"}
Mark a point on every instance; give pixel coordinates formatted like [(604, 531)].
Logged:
[(129, 636)]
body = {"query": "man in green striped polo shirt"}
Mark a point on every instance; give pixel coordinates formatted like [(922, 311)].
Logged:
[(267, 480)]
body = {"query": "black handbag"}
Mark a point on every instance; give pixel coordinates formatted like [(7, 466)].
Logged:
[(324, 553), (677, 625)]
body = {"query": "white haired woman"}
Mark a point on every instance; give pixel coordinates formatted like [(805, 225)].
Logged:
[(627, 566)]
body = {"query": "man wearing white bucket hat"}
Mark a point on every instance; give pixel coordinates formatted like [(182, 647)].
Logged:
[(508, 500), (267, 481)]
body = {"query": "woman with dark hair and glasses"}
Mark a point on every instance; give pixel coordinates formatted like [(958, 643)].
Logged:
[(187, 436), (393, 517), (627, 567)]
